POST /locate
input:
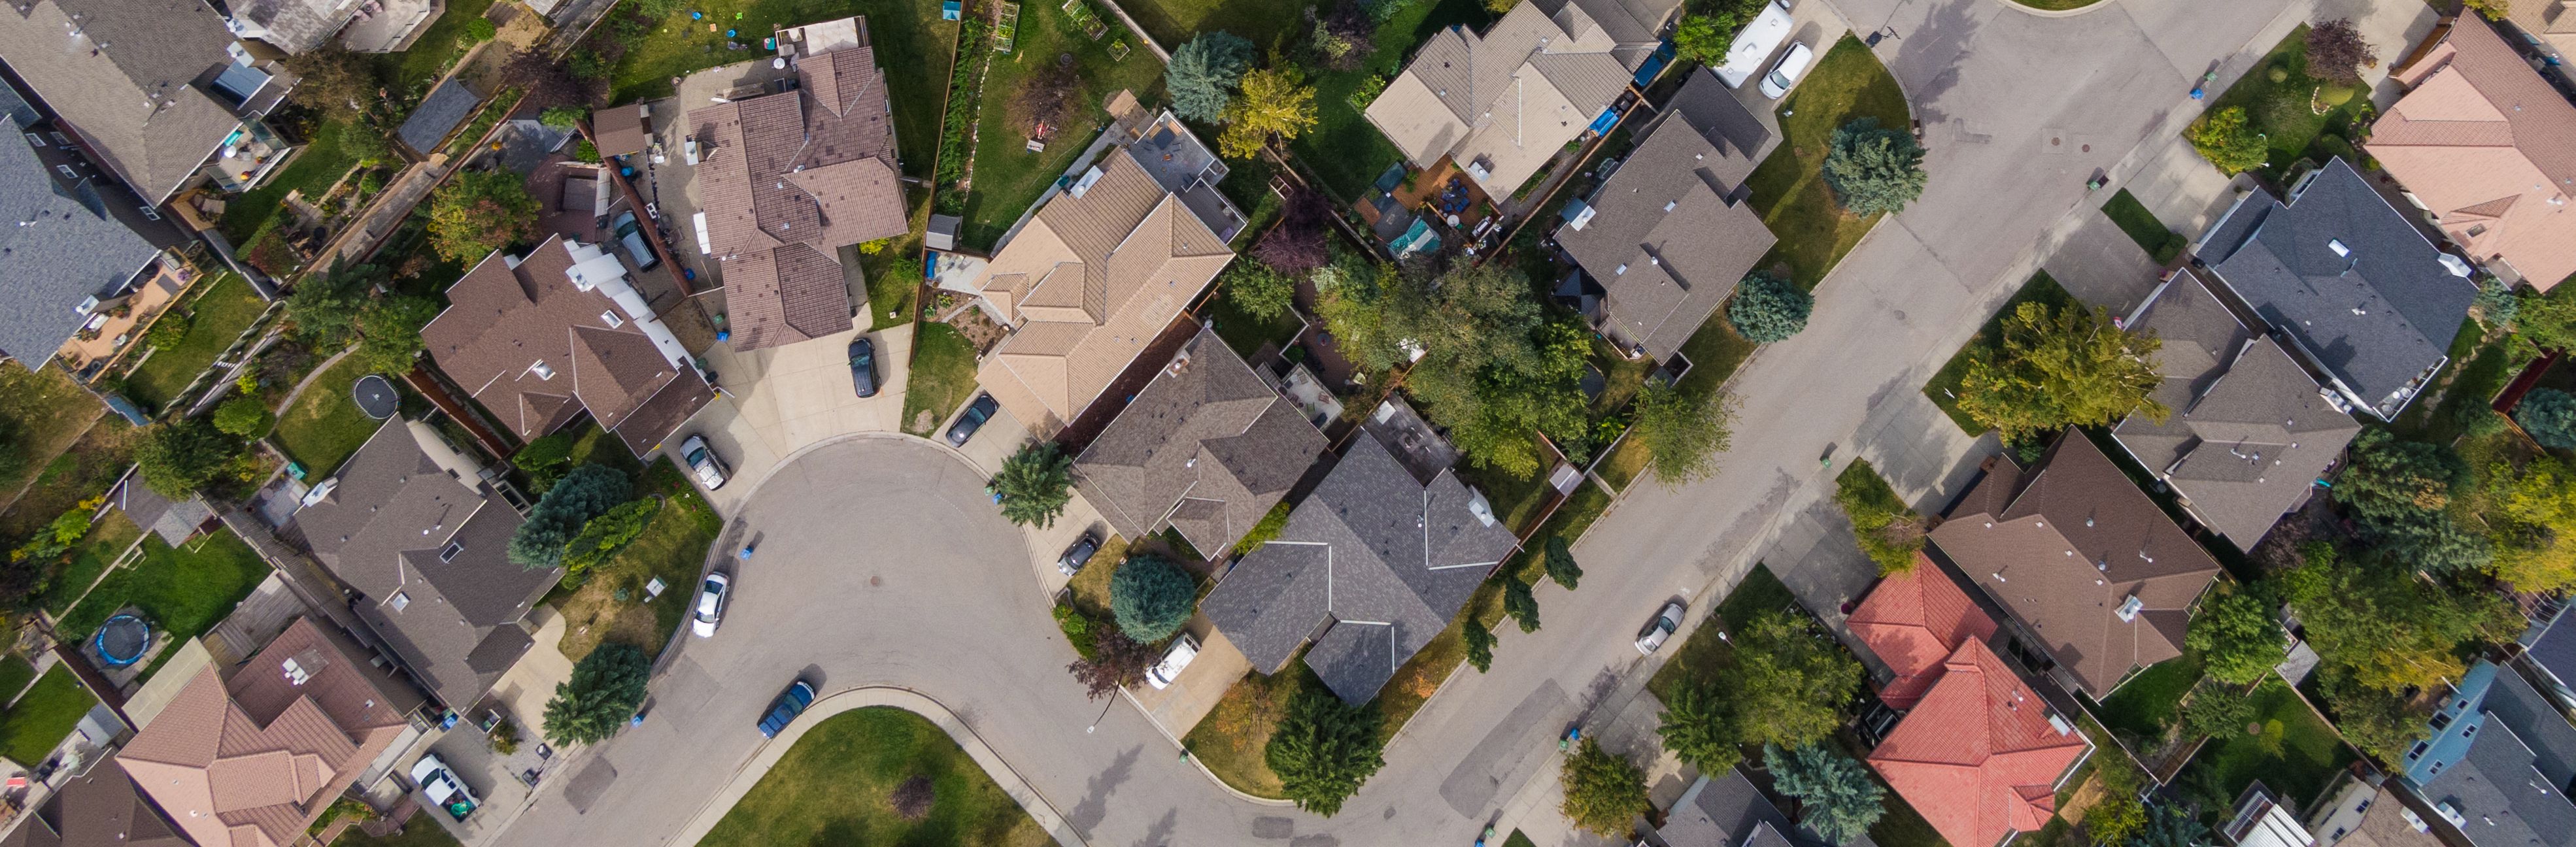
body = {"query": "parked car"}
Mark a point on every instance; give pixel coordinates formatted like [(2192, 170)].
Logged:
[(703, 462), (971, 420), (1662, 627), (1077, 555), (791, 702), (1175, 659), (863, 366), (1785, 73), (631, 236), (444, 788), (711, 601)]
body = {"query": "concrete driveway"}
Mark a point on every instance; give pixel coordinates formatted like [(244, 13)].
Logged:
[(774, 401)]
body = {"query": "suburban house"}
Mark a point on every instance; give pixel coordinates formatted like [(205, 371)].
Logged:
[(1502, 103), (412, 528), (2090, 571), (73, 257), (1669, 234), (1376, 560), (2489, 148), (2550, 27), (787, 179), (2248, 432), (1207, 448), (2549, 652), (2362, 814), (100, 806), (2264, 819), (2359, 293), (155, 90), (1726, 810), (298, 26), (539, 339), (252, 754), (2498, 764), (1101, 269), (1978, 753)]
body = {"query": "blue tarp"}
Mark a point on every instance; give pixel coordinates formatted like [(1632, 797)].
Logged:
[(1609, 118), (1663, 55)]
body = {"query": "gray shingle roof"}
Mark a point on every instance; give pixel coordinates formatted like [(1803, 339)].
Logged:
[(2510, 790), (293, 25), (1382, 559), (1208, 447), (63, 248), (446, 108), (2344, 274), (133, 81), (2249, 433), (2555, 650), (1725, 810)]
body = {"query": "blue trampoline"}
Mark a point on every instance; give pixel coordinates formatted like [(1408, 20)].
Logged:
[(122, 641)]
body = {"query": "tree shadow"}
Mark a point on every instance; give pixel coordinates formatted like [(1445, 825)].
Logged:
[(1095, 803)]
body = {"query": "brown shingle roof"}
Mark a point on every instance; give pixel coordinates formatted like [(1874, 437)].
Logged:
[(2064, 545), (785, 180), (1207, 447), (2490, 147), (127, 82), (619, 130)]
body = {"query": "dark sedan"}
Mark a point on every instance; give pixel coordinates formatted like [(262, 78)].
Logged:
[(791, 703), (971, 420), (863, 366)]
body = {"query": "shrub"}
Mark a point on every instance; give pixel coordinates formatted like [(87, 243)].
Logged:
[(605, 688), (1604, 793), (544, 459), (169, 330), (562, 117), (2225, 138), (243, 416), (603, 536), (1767, 308), (588, 492), (1151, 597), (2335, 95), (1873, 169), (480, 29), (2217, 711), (2550, 416), (2277, 74)]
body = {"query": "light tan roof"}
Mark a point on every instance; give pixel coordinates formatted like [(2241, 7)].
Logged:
[(2490, 147), (1513, 95), (126, 81), (1091, 281)]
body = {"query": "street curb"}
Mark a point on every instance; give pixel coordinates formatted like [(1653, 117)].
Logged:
[(748, 774), (2056, 13)]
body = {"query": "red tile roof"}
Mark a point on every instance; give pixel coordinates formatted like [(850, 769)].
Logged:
[(1914, 621), (1978, 756)]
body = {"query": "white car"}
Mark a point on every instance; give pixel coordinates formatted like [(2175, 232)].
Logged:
[(703, 462), (1662, 627), (443, 788), (711, 601), (1786, 72), (1175, 659)]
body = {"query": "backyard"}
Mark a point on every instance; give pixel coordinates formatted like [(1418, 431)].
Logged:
[(2295, 752), (38, 721), (181, 590), (436, 50), (942, 376), (2283, 111), (1245, 333), (841, 783), (43, 413), (2479, 369), (77, 474), (672, 548), (1344, 149), (15, 673), (2144, 706), (87, 560), (1007, 177), (325, 425), (218, 311), (1789, 187), (321, 163), (1943, 388)]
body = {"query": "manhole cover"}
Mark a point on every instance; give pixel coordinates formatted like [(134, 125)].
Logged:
[(375, 396)]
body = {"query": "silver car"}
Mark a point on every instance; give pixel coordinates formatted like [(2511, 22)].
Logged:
[(703, 462), (1662, 627), (711, 603)]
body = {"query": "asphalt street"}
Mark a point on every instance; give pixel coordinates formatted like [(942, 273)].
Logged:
[(881, 563)]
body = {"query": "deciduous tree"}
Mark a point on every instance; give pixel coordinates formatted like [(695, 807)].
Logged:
[(1873, 169), (1258, 289), (1682, 432), (2336, 51), (2226, 140), (389, 331), (1116, 661), (182, 457), (2056, 366), (2385, 628), (1049, 97), (2236, 634), (1604, 793), (244, 417), (1790, 682), (1699, 727), (478, 212), (324, 307), (1273, 103), (1299, 244), (601, 537), (1204, 72), (2399, 492), (2531, 523), (1323, 750), (1835, 795)]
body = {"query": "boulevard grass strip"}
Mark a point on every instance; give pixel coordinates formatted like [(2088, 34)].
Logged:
[(942, 377), (217, 314), (325, 424), (1007, 178), (2161, 243), (44, 413), (1944, 385), (1701, 656), (182, 591), (672, 548), (835, 785), (1343, 149), (38, 721), (107, 538), (1789, 188), (912, 46)]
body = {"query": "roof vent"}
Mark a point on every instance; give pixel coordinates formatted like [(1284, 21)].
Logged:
[(542, 370), (1668, 205), (2336, 244), (1621, 269)]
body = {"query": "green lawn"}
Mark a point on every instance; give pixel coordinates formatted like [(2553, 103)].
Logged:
[(1265, 22), (1344, 149), (77, 474), (2281, 110), (894, 273), (672, 548), (942, 377), (1246, 333), (42, 412), (107, 538), (910, 40), (420, 831), (15, 673), (1516, 839), (1700, 656), (183, 591), (2145, 706), (434, 52), (834, 786), (2160, 242), (1944, 385), (1625, 464), (29, 731), (2479, 370), (1007, 177), (1789, 188), (1516, 499), (217, 314), (2296, 753), (322, 162), (325, 424), (1231, 738)]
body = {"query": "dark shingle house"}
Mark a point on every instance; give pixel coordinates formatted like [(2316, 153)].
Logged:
[(156, 90), (2249, 431), (69, 249), (1207, 448), (410, 525), (1669, 235), (2498, 764), (2347, 283), (1377, 560), (1726, 810)]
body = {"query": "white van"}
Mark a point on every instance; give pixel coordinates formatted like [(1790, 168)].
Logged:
[(1754, 44), (1175, 659)]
